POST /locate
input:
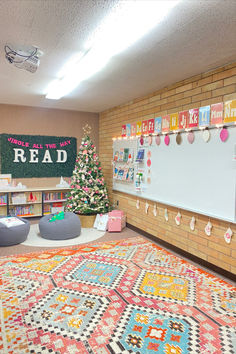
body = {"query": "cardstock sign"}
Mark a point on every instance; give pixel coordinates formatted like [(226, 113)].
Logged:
[(183, 119), (157, 127), (217, 113), (133, 129), (144, 127), (128, 130), (150, 126), (230, 111), (174, 121), (37, 156), (123, 131), (139, 128), (165, 124), (204, 116), (193, 118)]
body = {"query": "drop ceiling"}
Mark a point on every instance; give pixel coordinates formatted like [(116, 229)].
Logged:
[(195, 37)]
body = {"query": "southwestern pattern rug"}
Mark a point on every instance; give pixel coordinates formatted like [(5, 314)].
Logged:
[(126, 296)]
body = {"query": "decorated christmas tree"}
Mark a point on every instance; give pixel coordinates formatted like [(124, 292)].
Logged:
[(88, 193)]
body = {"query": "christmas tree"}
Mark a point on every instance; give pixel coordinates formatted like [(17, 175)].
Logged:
[(88, 193)]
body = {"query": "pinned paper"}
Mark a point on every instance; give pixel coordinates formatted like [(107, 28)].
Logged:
[(166, 215), (146, 207), (208, 228), (155, 210), (228, 235), (177, 218), (192, 223), (138, 204)]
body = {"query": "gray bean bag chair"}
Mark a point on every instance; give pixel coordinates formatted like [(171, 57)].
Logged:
[(10, 236), (64, 229)]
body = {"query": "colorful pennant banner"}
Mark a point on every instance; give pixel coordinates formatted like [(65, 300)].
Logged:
[(218, 113)]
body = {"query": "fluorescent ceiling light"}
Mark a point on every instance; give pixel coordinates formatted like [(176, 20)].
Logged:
[(126, 24)]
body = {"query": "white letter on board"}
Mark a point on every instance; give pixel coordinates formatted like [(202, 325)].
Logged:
[(47, 157), (19, 153), (61, 158), (33, 156)]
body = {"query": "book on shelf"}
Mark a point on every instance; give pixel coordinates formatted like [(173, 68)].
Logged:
[(54, 196), (3, 199), (18, 198), (130, 175), (22, 210), (131, 155), (126, 169)]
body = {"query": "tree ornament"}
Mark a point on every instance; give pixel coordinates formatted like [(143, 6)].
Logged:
[(155, 210), (158, 140), (146, 207), (178, 138), (141, 141), (150, 140), (192, 223), (208, 228), (177, 218), (138, 204), (166, 215), (228, 235)]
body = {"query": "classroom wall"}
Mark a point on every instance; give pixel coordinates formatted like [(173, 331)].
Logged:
[(43, 121), (203, 89)]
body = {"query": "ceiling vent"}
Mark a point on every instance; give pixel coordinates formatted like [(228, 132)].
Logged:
[(23, 59)]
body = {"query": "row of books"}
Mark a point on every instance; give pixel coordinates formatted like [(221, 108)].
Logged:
[(54, 196), (124, 174), (20, 210), (124, 155), (3, 199), (53, 208)]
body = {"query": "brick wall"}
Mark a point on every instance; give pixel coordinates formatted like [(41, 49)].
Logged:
[(203, 89)]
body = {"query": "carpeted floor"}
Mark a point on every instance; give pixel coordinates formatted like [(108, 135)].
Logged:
[(124, 296)]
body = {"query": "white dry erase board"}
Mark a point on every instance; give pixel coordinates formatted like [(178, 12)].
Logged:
[(198, 177)]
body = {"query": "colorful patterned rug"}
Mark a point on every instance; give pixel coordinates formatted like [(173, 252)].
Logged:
[(120, 297)]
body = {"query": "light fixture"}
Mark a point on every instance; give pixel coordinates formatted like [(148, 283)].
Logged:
[(128, 22)]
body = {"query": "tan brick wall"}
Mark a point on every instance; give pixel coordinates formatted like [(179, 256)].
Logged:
[(200, 90)]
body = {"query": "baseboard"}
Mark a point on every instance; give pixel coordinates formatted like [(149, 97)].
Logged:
[(185, 254)]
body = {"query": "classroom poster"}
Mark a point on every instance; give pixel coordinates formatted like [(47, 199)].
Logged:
[(204, 116), (174, 121), (217, 113), (150, 126), (193, 118), (28, 156), (165, 123), (157, 125), (230, 111), (183, 119)]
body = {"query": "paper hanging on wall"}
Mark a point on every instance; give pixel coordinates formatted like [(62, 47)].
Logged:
[(190, 137), (158, 139), (178, 138), (228, 235), (141, 140), (192, 223), (206, 135), (208, 228), (166, 215), (146, 207), (155, 210), (224, 134), (149, 162), (137, 204), (177, 218), (167, 140)]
